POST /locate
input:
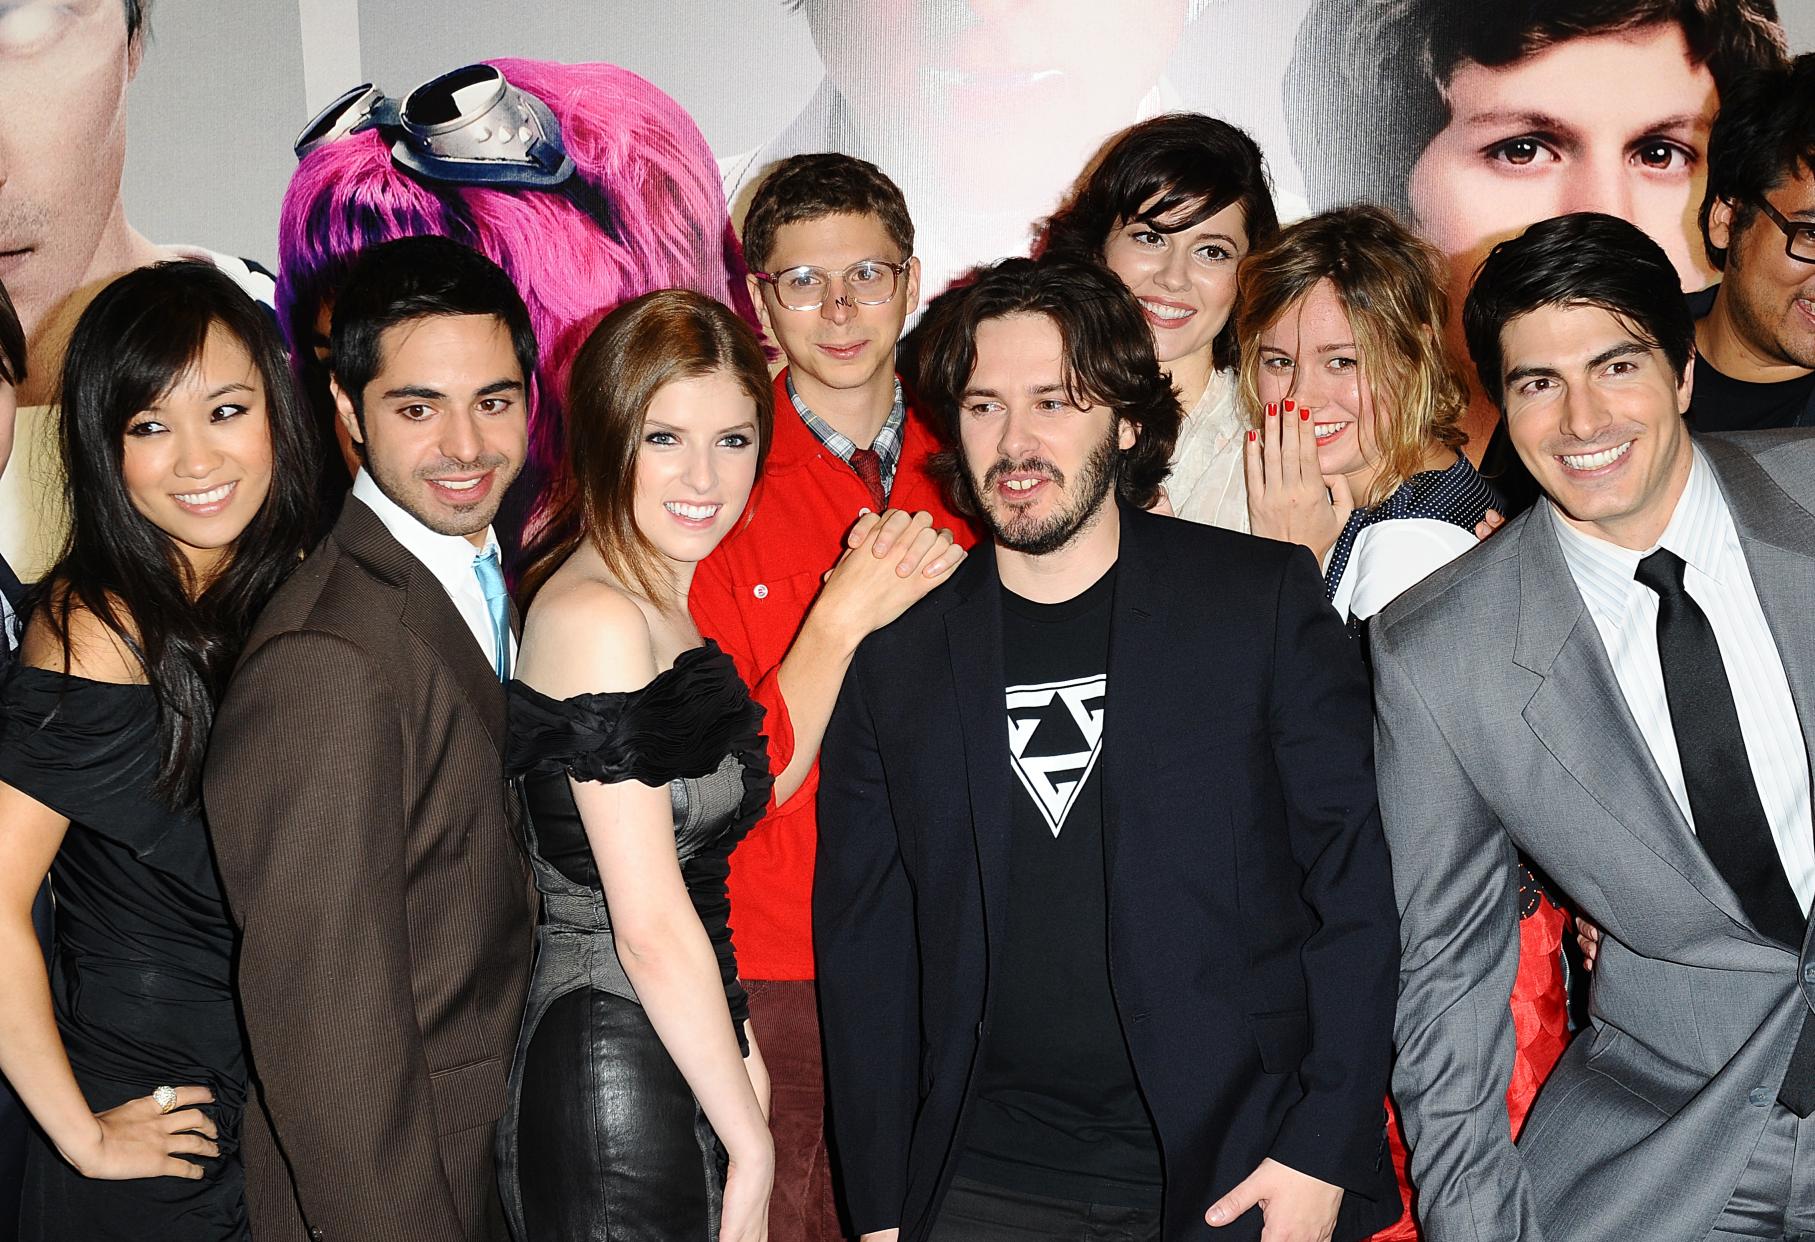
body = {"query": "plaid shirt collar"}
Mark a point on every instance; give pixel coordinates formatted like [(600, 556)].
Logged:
[(886, 445)]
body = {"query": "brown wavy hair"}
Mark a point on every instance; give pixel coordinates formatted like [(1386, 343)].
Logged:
[(1391, 286), (1107, 353), (635, 352)]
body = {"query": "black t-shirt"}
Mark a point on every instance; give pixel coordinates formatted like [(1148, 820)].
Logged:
[(1721, 403), (1057, 1110)]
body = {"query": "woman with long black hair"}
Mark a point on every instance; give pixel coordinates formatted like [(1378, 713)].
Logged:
[(190, 465)]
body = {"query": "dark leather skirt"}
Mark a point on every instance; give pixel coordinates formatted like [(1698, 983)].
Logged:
[(604, 1141)]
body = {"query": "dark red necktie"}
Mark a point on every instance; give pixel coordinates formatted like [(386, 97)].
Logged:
[(868, 465)]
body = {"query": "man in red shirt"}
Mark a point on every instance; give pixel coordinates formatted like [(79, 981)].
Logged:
[(831, 247)]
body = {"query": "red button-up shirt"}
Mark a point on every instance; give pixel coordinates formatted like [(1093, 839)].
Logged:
[(751, 595)]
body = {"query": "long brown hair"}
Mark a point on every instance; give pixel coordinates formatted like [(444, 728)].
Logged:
[(1390, 285), (637, 350)]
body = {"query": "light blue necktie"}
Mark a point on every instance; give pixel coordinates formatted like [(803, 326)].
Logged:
[(497, 602)]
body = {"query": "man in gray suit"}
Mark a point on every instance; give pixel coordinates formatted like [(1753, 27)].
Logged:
[(1622, 685)]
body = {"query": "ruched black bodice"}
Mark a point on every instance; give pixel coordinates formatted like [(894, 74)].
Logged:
[(142, 970), (603, 1139)]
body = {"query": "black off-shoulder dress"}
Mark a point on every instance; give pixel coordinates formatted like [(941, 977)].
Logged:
[(142, 970), (603, 1140)]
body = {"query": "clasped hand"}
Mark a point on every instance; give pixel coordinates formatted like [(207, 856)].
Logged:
[(890, 560), (1289, 497)]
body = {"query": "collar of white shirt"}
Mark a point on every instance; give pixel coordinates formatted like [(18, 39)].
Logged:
[(448, 557), (1701, 531)]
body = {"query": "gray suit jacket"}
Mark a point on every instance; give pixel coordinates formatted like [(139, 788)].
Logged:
[(1500, 725)]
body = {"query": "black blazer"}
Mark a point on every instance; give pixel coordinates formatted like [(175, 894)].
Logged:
[(1253, 939)]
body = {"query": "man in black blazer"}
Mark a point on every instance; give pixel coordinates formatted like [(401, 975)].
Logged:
[(1103, 910)]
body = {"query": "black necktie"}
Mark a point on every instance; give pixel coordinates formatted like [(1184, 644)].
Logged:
[(1723, 796)]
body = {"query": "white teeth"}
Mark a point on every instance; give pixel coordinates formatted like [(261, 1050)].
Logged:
[(1166, 312), (693, 513), (466, 485), (1021, 485), (1326, 430), (1594, 461), (205, 498)]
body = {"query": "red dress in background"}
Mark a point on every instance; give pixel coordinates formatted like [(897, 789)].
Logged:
[(1540, 1018)]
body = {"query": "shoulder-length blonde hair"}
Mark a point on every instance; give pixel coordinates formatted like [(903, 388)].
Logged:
[(634, 352), (1391, 286)]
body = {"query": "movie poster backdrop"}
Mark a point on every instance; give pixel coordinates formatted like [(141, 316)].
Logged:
[(982, 110)]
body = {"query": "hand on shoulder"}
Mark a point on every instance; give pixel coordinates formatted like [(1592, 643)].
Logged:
[(585, 636)]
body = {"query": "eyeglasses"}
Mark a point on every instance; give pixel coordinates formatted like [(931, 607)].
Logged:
[(1799, 237), (467, 127), (868, 283)]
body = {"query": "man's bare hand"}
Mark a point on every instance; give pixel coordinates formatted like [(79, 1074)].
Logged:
[(1296, 1207)]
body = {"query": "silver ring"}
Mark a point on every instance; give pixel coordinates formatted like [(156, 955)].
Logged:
[(166, 1098)]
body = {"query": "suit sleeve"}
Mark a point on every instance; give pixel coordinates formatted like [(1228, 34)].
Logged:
[(1322, 734), (713, 602), (868, 968), (1455, 877), (305, 806)]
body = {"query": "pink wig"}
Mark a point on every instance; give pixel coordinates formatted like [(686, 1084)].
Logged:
[(640, 152)]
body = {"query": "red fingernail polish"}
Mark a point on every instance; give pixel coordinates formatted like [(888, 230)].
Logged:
[(1252, 434), (1289, 406), (1305, 414), (1271, 409)]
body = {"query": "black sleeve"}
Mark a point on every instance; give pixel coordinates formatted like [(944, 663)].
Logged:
[(868, 969)]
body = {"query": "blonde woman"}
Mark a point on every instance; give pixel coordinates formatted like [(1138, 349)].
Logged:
[(1356, 451)]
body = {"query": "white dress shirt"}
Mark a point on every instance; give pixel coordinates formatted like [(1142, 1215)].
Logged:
[(1701, 531), (448, 557)]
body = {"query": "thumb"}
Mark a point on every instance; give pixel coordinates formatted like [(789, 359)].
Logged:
[(1340, 495), (1229, 1208)]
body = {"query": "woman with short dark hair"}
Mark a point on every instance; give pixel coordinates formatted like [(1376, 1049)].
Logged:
[(1172, 206)]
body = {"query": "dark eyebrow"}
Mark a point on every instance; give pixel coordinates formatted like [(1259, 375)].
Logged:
[(224, 389), (1624, 349), (415, 390), (501, 385), (1042, 390)]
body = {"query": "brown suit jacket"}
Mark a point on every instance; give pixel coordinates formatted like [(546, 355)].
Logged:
[(366, 842)]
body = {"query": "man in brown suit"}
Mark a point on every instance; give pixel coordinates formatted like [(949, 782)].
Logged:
[(355, 786)]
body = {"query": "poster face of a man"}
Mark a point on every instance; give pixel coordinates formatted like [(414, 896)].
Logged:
[(1475, 121), (1614, 123), (64, 69)]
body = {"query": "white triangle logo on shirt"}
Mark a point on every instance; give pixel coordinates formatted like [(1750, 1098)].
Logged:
[(1053, 780)]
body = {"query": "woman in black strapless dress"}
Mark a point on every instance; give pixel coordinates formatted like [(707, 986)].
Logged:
[(638, 1095), (189, 466)]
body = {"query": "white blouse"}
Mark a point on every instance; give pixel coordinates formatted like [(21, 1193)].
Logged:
[(1206, 484)]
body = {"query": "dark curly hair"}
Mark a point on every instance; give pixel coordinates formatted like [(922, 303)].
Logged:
[(1180, 160), (823, 183), (1108, 360)]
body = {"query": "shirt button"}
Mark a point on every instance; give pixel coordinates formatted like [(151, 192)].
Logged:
[(760, 590), (1808, 973), (1760, 1097)]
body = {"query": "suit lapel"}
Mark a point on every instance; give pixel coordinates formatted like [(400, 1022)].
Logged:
[(1778, 538), (973, 635), (1137, 680), (1580, 714), (428, 613)]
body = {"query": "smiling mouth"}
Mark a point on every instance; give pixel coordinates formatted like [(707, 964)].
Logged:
[(208, 502), (1169, 314), (692, 513), (1328, 431), (1595, 461)]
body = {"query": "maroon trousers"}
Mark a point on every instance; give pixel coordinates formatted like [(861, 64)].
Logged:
[(785, 1016)]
